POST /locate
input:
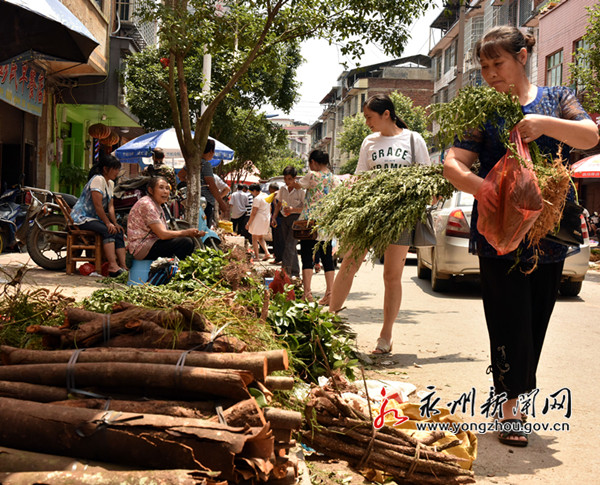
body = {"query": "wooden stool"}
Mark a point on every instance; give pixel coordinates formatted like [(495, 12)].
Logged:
[(79, 240)]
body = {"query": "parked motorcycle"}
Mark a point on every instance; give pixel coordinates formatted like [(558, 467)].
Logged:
[(47, 228), (12, 216)]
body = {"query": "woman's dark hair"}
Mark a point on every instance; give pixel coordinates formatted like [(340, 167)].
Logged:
[(290, 170), (104, 161), (254, 187), (380, 103), (319, 157), (154, 180), (210, 147), (273, 186), (503, 37), (108, 162)]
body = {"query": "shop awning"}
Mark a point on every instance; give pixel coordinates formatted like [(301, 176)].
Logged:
[(43, 29)]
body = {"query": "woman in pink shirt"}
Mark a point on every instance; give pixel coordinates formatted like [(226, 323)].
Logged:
[(147, 232)]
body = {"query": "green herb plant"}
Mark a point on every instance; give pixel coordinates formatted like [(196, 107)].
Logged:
[(373, 209), (314, 337)]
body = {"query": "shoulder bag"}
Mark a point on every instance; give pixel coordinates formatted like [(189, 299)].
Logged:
[(303, 229), (423, 234)]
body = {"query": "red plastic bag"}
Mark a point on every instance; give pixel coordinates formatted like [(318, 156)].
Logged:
[(509, 200)]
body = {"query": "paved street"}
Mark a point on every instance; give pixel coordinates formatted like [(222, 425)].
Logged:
[(441, 340)]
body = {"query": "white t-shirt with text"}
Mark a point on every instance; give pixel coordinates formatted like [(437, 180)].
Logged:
[(378, 151)]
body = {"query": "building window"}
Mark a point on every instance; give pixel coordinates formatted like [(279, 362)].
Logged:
[(450, 57), (525, 11), (438, 67), (554, 69), (580, 61)]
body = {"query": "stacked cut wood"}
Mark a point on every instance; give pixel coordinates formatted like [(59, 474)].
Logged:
[(149, 408), (341, 431)]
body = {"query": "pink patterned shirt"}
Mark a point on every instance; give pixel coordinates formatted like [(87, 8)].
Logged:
[(139, 235)]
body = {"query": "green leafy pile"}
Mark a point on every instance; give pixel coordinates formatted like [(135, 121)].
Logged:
[(373, 209), (20, 308), (316, 339)]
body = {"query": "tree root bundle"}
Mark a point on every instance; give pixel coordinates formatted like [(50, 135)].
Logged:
[(340, 431), (554, 181)]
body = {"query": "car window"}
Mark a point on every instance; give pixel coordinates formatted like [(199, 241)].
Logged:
[(465, 199)]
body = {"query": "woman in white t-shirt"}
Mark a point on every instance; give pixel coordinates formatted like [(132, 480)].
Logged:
[(258, 224), (389, 146)]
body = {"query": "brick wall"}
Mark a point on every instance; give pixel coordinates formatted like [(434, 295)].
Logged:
[(559, 29), (420, 91)]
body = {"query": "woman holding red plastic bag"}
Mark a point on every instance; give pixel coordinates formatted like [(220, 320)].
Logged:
[(517, 302)]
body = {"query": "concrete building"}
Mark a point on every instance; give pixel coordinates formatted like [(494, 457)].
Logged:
[(412, 76), (298, 136), (37, 139)]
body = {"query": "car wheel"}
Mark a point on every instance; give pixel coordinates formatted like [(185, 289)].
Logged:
[(423, 272), (438, 284), (570, 288)]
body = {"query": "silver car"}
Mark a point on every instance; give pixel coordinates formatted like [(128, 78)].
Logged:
[(450, 256)]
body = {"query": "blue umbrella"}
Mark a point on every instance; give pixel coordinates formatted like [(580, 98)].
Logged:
[(140, 148)]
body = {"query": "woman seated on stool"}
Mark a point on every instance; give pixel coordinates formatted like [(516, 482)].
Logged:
[(94, 211), (147, 231)]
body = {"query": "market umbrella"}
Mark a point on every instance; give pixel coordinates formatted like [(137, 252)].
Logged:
[(140, 148), (43, 29), (587, 168)]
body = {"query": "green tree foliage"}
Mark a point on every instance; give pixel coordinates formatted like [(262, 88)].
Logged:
[(585, 71), (253, 137), (279, 159), (355, 129), (242, 35)]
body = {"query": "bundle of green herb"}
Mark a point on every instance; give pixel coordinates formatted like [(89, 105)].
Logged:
[(470, 109), (374, 208)]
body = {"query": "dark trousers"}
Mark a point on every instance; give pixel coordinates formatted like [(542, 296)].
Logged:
[(277, 240), (239, 226), (290, 253), (517, 310), (100, 227), (209, 213), (323, 253), (181, 247)]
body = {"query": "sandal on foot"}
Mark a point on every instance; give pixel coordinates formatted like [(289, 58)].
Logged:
[(515, 432), (383, 346)]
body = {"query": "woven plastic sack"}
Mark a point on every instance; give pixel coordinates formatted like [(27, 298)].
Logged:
[(509, 200)]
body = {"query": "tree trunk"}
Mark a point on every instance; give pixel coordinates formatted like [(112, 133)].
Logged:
[(279, 383), (276, 359), (180, 409), (13, 460), (200, 381), (193, 166), (132, 439), (255, 363), (103, 477), (32, 392), (151, 336), (243, 413)]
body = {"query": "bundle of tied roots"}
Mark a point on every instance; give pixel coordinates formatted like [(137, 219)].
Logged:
[(474, 106), (373, 209)]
